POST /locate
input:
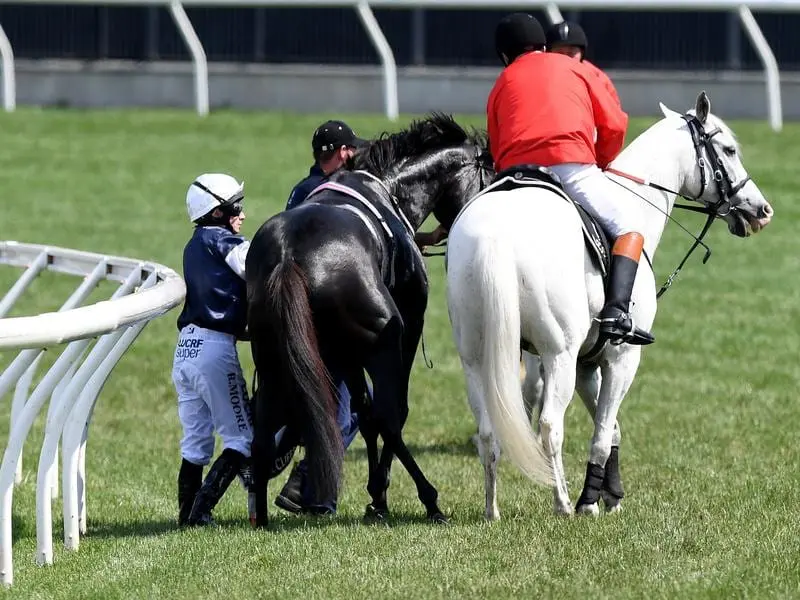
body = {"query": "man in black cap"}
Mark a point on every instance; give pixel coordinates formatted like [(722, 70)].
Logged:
[(332, 144)]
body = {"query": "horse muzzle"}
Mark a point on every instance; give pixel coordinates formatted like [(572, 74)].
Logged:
[(743, 223)]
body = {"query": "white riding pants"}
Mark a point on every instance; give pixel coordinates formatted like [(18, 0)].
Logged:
[(212, 394), (617, 210)]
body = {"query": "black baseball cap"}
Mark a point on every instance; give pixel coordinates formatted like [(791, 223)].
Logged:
[(332, 135)]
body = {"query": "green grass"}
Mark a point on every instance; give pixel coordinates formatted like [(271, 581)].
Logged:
[(709, 454)]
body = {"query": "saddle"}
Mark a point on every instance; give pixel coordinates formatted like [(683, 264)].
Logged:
[(597, 241)]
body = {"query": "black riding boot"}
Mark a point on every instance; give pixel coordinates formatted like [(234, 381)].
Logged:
[(290, 497), (616, 323), (190, 478), (219, 477)]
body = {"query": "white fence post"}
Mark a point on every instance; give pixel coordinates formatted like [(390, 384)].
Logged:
[(391, 104), (9, 73), (771, 74), (199, 62)]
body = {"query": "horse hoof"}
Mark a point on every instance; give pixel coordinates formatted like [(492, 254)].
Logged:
[(493, 516), (438, 518), (612, 503), (375, 515), (588, 509)]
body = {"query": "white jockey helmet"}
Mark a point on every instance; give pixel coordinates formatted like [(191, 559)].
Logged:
[(210, 191)]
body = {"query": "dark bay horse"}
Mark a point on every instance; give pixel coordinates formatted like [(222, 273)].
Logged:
[(338, 285)]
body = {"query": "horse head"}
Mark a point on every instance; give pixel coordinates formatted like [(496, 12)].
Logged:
[(717, 178), (433, 166)]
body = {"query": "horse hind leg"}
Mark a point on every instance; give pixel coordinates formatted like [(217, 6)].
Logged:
[(533, 387), (559, 386), (488, 448)]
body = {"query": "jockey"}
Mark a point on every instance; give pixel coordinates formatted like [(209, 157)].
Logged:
[(546, 109), (212, 394)]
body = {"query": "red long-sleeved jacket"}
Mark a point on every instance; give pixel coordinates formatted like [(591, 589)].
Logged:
[(544, 109)]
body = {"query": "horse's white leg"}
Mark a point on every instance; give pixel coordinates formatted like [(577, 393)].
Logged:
[(588, 387), (533, 387), (488, 448), (559, 386), (617, 377)]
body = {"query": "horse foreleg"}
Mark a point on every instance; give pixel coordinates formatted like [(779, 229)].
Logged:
[(588, 386), (559, 386), (617, 376)]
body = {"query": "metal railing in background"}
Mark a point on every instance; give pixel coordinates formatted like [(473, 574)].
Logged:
[(741, 11)]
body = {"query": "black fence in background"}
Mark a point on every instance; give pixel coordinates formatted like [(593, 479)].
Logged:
[(639, 40)]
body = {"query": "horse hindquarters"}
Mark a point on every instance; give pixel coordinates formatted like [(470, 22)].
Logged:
[(483, 300), (287, 358)]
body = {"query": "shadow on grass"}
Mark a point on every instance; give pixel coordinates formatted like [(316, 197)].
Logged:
[(278, 524)]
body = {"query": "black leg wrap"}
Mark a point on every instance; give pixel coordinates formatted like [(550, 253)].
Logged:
[(612, 483), (592, 484), (216, 483), (190, 478)]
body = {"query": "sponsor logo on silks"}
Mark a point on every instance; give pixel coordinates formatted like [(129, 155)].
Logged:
[(189, 348), (236, 403)]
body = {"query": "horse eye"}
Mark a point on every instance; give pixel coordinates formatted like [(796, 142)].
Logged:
[(729, 150)]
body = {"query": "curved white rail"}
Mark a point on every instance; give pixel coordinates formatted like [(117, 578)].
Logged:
[(74, 381), (89, 321)]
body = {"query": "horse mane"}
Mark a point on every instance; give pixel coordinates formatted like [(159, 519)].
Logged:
[(437, 131)]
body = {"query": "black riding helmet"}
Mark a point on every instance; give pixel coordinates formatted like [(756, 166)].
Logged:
[(516, 34), (567, 33)]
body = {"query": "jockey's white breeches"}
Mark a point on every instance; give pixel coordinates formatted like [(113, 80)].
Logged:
[(617, 210)]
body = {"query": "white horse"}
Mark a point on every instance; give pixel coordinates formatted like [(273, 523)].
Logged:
[(519, 275)]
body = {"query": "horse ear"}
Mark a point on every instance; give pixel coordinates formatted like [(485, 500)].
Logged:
[(702, 107), (668, 112)]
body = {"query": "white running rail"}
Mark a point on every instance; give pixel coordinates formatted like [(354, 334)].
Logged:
[(147, 290)]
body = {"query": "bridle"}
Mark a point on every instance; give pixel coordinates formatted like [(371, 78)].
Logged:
[(726, 189)]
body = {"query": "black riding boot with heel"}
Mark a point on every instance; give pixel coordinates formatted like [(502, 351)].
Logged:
[(220, 475), (190, 478), (616, 323)]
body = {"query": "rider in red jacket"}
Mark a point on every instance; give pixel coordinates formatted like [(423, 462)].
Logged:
[(551, 110)]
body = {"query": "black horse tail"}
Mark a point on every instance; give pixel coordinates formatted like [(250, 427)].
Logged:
[(303, 375)]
